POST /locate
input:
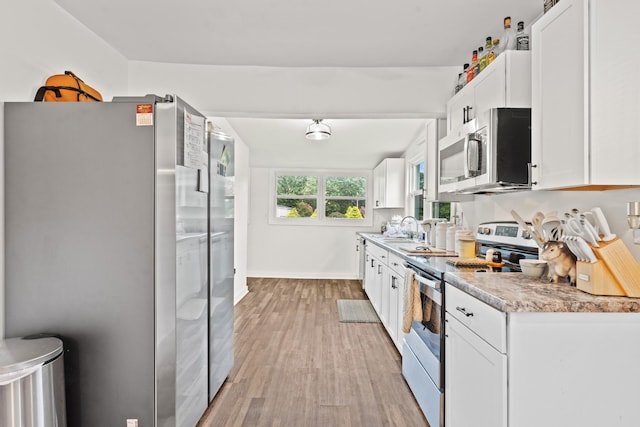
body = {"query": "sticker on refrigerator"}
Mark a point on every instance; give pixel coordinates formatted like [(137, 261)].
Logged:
[(193, 140), (144, 115)]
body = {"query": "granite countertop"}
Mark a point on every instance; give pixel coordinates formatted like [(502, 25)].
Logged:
[(514, 292)]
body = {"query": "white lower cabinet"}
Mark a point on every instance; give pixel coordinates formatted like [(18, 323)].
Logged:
[(475, 370), (476, 383), (531, 369), (384, 285)]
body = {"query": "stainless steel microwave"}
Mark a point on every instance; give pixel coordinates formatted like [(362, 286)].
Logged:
[(491, 153)]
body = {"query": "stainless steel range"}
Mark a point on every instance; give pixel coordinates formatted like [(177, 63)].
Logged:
[(423, 349)]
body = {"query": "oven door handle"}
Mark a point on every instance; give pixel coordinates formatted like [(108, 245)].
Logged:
[(430, 283)]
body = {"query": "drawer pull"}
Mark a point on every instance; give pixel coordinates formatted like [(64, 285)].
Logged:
[(465, 312)]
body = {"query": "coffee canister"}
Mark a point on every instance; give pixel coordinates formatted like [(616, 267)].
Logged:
[(465, 244)]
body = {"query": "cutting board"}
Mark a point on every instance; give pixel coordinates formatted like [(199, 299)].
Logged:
[(413, 250)]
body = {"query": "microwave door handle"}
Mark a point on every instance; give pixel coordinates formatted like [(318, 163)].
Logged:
[(473, 156), (467, 173)]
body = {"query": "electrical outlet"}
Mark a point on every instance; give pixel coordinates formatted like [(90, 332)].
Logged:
[(132, 422)]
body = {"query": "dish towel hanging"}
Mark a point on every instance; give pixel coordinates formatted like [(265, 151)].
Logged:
[(412, 307)]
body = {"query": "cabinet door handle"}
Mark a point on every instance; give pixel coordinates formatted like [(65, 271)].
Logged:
[(372, 263), (530, 173), (465, 312), (465, 113), (357, 248), (393, 282), (395, 264), (379, 268)]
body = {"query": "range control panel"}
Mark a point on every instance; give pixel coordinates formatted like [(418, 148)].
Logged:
[(505, 232)]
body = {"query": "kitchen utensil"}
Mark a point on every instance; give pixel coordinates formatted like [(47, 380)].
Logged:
[(589, 228), (537, 223), (586, 251), (588, 215), (552, 228), (575, 228), (521, 222), (573, 247), (603, 225), (526, 227)]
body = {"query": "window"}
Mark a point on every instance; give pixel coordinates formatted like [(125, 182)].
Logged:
[(320, 198), (441, 210), (417, 190)]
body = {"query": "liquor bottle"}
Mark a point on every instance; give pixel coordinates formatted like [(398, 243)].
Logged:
[(522, 38), (462, 78), (484, 59), (508, 39), (496, 49), (474, 61), (493, 52), (476, 68)]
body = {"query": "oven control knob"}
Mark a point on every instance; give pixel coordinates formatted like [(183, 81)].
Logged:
[(526, 235), (484, 230)]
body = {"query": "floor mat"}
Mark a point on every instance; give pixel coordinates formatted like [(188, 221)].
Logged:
[(356, 311)]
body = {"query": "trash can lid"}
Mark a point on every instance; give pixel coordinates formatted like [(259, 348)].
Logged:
[(19, 353)]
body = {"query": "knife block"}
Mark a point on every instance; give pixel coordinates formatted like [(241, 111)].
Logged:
[(615, 273)]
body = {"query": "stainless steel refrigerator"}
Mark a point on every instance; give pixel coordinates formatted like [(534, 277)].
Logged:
[(119, 239)]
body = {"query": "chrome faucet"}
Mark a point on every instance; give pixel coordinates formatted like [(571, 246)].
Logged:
[(412, 234)]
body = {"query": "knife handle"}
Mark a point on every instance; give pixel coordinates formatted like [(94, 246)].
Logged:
[(603, 224)]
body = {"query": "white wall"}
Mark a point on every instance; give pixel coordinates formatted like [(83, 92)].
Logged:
[(290, 92), (40, 39)]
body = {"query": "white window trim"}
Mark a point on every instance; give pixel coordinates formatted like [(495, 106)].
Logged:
[(321, 220), (414, 157)]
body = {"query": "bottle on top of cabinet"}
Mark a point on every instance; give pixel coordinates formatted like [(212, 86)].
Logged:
[(474, 62), (462, 78), (476, 68), (489, 52), (494, 51), (508, 39), (522, 38), (482, 61)]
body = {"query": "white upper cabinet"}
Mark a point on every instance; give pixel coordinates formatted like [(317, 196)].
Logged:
[(389, 184), (506, 82), (586, 95)]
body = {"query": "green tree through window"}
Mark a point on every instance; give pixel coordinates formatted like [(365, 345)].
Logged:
[(312, 196)]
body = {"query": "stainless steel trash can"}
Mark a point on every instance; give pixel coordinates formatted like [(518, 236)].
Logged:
[(32, 383)]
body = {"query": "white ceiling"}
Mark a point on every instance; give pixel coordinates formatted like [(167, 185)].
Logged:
[(355, 143), (301, 33)]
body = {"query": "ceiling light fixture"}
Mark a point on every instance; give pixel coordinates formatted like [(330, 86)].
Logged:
[(318, 131)]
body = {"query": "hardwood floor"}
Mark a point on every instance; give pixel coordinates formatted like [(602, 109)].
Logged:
[(297, 365)]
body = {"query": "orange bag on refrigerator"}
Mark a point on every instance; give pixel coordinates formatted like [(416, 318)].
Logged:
[(67, 87)]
